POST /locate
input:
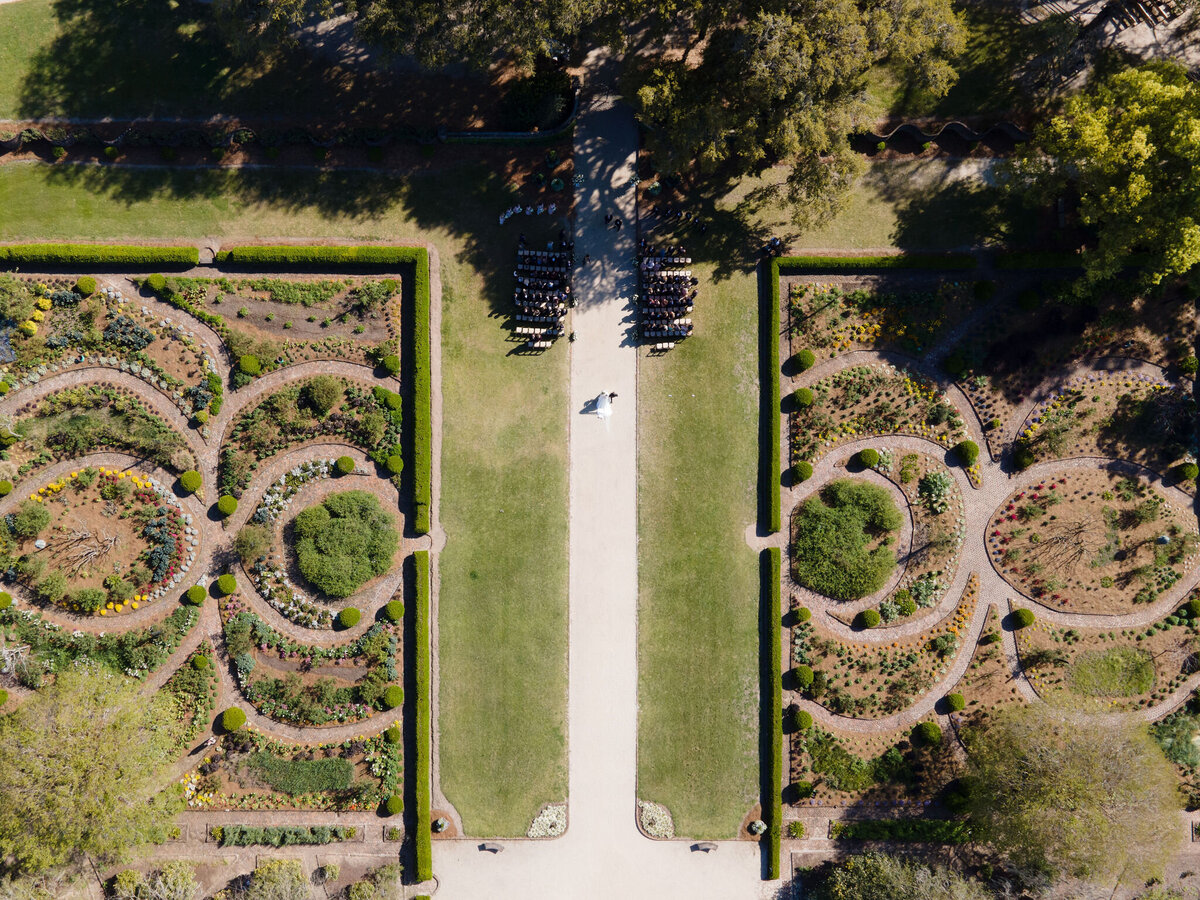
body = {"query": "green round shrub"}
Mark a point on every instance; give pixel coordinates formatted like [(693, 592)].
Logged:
[(233, 719), (967, 452), (805, 360), (86, 286), (6, 487), (196, 593), (1192, 607), (391, 363), (956, 702), (190, 481), (803, 675), (394, 611), (5, 599), (803, 471), (200, 416), (393, 696), (5, 387), (868, 618), (344, 542), (394, 805), (868, 458), (803, 397), (1183, 472), (392, 735), (927, 733), (907, 606), (394, 464), (227, 584), (803, 614), (1189, 365), (156, 283), (349, 617), (227, 505), (3, 696), (248, 364), (200, 663), (1023, 457), (804, 720), (344, 465), (1023, 617)]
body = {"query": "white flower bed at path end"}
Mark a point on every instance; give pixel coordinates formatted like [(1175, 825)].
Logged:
[(656, 819), (551, 822)]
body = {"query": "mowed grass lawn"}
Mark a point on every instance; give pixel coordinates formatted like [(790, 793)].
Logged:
[(504, 497), (26, 27), (699, 583)]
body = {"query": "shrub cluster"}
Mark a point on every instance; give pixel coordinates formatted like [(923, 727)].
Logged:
[(929, 831), (343, 542), (1184, 471), (249, 364)]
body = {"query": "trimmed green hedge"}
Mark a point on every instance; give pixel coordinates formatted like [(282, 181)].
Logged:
[(422, 414), (281, 836), (772, 374), (930, 831), (424, 715), (99, 254), (1038, 259), (773, 804), (278, 255), (899, 261)]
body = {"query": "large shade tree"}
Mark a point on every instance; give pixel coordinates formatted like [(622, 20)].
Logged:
[(1086, 797), (1130, 147), (83, 765)]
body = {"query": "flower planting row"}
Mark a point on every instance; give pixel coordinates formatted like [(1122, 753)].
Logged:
[(282, 836)]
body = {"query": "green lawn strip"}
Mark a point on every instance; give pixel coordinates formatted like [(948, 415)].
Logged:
[(698, 651), (424, 718), (772, 624)]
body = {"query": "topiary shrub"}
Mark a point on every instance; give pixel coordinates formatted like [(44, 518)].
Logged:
[(1023, 457), (804, 360), (393, 696), (248, 364), (5, 488), (348, 617), (1192, 607), (156, 283), (392, 735), (803, 675), (868, 618), (391, 363), (928, 734), (195, 594), (1023, 617), (956, 702), (227, 505), (344, 465), (233, 719), (803, 614), (1183, 472), (190, 481), (394, 464), (803, 720), (868, 458), (394, 805), (394, 611), (803, 397), (85, 286), (200, 416), (803, 471), (967, 452), (5, 599), (199, 663), (227, 584)]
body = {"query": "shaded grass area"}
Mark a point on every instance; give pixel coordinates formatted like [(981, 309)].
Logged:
[(25, 28), (699, 582), (504, 503)]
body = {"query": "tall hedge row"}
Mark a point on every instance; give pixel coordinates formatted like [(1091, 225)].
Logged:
[(424, 717), (772, 476), (422, 396), (898, 261), (772, 804), (99, 254), (284, 255)]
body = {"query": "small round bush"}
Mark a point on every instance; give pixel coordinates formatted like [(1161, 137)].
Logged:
[(248, 364), (233, 719), (1184, 472), (195, 594), (394, 465), (5, 387), (349, 617), (1023, 457), (927, 733), (803, 614), (345, 465), (803, 397), (227, 505), (394, 805), (1189, 365), (199, 663), (394, 611), (86, 286), (956, 702), (5, 599), (3, 696), (1192, 607), (200, 416), (804, 675), (227, 584), (868, 458), (1023, 617), (392, 735), (805, 360), (967, 452), (391, 363), (5, 488), (804, 720), (803, 471), (190, 481), (393, 696), (907, 606), (868, 618), (156, 283)]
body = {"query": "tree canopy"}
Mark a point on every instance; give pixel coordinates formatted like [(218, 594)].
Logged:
[(83, 764), (1130, 146), (1087, 797)]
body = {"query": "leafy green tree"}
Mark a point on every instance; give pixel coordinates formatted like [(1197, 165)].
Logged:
[(873, 876), (1129, 146), (30, 520), (83, 764), (1081, 798)]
